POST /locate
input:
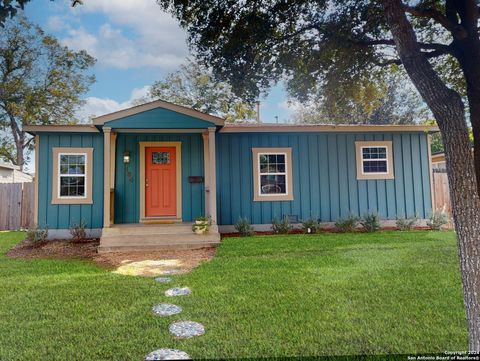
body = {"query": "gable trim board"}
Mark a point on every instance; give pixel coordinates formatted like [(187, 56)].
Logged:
[(155, 105)]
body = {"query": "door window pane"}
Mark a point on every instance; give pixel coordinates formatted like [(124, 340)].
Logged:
[(160, 157)]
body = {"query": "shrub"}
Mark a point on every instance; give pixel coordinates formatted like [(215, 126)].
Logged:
[(438, 219), (78, 231), (37, 235), (406, 224), (370, 222), (244, 227), (347, 224), (310, 225), (281, 226)]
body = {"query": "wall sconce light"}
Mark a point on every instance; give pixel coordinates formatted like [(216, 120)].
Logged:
[(126, 157)]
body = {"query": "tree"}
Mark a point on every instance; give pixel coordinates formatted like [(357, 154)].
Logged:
[(380, 100), (10, 8), (42, 82), (193, 86), (317, 43)]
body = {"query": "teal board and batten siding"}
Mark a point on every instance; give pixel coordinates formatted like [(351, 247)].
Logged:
[(62, 216), (127, 180), (324, 177)]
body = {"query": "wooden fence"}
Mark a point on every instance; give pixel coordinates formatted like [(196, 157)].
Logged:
[(441, 192), (16, 205)]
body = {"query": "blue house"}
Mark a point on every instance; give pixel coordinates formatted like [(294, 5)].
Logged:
[(139, 177)]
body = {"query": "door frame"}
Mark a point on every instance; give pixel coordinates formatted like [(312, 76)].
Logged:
[(178, 175)]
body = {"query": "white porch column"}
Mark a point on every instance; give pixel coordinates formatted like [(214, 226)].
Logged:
[(206, 172), (212, 175), (106, 177)]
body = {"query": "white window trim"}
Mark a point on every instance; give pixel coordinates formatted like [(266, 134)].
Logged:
[(258, 196), (87, 198), (84, 175), (361, 175)]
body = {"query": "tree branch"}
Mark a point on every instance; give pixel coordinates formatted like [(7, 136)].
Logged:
[(428, 46), (427, 54), (447, 22)]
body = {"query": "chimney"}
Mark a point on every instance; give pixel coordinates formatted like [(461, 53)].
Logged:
[(258, 112)]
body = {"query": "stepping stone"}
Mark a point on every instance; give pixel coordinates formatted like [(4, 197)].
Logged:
[(167, 354), (178, 291), (186, 329), (166, 309), (171, 271), (163, 279)]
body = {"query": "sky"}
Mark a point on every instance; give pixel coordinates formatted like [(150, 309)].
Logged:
[(135, 44)]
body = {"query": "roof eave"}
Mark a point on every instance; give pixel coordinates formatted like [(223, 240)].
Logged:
[(77, 128), (263, 128)]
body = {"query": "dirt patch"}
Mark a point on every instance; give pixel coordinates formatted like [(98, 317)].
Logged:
[(61, 249), (187, 259), (55, 249)]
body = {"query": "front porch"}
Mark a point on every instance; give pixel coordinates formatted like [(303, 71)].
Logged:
[(149, 237), (159, 176)]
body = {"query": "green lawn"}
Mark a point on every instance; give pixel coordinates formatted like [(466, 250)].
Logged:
[(296, 295)]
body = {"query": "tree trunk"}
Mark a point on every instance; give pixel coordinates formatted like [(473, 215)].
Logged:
[(19, 139), (466, 48), (448, 109), (20, 156)]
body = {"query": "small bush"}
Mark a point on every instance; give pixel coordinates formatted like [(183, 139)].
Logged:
[(78, 231), (347, 224), (406, 224), (244, 227), (37, 235), (310, 225), (281, 226), (437, 220), (370, 222)]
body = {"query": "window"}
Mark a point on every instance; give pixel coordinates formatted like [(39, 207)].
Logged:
[(72, 175), (160, 157), (374, 160), (272, 172)]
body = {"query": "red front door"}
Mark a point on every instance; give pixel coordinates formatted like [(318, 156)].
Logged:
[(160, 182)]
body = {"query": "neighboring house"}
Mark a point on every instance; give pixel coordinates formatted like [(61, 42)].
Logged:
[(438, 162), (140, 176), (10, 173)]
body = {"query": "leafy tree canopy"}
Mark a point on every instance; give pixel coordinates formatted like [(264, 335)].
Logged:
[(194, 86), (42, 82), (383, 99), (10, 8), (317, 46)]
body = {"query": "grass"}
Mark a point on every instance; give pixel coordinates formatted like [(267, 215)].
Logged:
[(327, 294)]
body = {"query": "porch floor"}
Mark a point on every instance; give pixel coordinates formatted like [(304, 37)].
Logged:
[(142, 237)]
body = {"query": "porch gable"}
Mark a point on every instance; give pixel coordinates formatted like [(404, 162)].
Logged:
[(158, 115), (159, 119)]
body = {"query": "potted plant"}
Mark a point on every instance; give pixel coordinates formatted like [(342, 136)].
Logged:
[(201, 225)]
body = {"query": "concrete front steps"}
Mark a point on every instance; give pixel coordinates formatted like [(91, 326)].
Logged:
[(150, 237)]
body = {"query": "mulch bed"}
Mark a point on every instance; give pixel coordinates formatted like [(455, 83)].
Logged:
[(87, 250)]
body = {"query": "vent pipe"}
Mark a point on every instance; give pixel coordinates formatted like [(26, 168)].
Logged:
[(258, 112)]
